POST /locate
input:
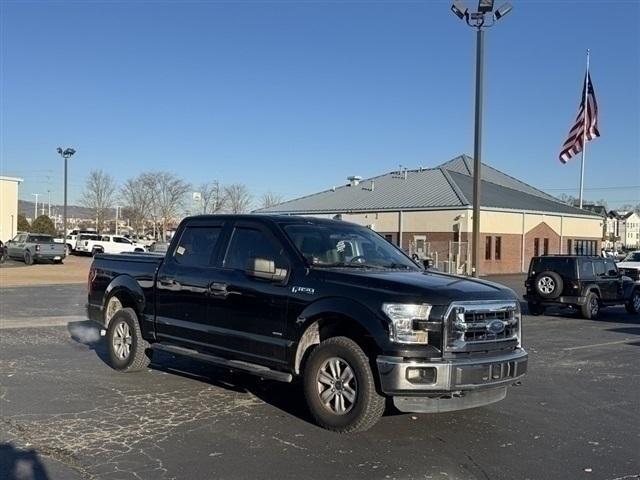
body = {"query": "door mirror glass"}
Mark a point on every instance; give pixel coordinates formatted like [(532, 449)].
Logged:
[(266, 269)]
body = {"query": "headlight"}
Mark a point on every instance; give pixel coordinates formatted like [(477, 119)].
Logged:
[(405, 318)]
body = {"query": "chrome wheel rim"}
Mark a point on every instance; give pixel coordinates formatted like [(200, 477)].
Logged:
[(112, 307), (337, 386), (636, 301), (594, 306), (546, 285), (122, 340)]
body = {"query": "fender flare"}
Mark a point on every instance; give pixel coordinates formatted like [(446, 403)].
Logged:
[(127, 286), (592, 287), (334, 307)]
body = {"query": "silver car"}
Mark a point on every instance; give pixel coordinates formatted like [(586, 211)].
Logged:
[(33, 247)]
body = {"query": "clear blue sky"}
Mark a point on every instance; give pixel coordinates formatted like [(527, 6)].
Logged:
[(293, 96)]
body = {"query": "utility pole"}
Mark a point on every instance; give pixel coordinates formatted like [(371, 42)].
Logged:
[(35, 210), (49, 210), (67, 153), (484, 17), (117, 207)]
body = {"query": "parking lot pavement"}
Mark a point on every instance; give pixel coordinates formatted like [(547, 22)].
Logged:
[(14, 273), (66, 414)]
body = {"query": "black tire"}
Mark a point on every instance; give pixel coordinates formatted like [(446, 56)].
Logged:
[(28, 259), (591, 307), (633, 305), (535, 309), (548, 285), (368, 405), (3, 258), (136, 359), (58, 262)]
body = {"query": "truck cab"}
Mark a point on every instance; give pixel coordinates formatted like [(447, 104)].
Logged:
[(331, 303)]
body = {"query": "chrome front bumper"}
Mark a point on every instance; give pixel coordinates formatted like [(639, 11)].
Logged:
[(449, 376)]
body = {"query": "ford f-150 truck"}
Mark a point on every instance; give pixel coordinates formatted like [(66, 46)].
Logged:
[(330, 303)]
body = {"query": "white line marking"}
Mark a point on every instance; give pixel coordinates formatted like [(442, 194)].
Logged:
[(600, 344), (31, 322)]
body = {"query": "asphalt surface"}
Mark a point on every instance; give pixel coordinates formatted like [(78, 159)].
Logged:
[(64, 414)]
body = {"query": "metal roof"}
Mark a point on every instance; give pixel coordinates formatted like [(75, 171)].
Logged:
[(449, 185)]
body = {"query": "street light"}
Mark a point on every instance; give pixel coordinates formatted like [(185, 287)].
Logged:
[(483, 18), (67, 153)]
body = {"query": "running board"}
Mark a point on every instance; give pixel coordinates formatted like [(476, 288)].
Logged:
[(252, 368)]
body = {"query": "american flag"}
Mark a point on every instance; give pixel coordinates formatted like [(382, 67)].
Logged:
[(574, 145)]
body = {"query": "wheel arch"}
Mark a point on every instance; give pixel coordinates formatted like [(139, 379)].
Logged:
[(337, 317), (128, 291)]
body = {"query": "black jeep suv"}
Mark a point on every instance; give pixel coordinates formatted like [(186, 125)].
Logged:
[(583, 282)]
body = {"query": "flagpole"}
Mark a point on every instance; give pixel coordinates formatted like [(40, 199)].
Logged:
[(584, 128)]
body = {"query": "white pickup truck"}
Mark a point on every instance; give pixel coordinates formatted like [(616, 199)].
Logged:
[(108, 244)]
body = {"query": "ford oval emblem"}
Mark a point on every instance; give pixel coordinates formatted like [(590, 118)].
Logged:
[(495, 327)]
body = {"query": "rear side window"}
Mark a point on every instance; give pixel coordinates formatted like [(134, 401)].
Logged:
[(586, 269), (196, 246), (599, 268), (249, 243)]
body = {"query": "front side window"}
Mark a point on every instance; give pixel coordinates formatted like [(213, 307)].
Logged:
[(599, 268), (611, 268), (248, 244), (346, 246), (196, 246), (106, 239)]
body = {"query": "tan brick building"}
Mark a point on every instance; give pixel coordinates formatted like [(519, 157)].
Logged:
[(428, 212), (8, 207)]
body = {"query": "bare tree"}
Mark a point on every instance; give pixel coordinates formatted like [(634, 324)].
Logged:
[(237, 198), (99, 194), (167, 197), (137, 196), (212, 195), (270, 199)]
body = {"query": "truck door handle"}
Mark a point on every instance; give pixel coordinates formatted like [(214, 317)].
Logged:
[(168, 282), (217, 289)]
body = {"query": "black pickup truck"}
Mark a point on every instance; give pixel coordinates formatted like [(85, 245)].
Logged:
[(327, 302)]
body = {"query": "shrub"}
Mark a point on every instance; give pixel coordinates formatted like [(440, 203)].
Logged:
[(23, 223), (43, 224)]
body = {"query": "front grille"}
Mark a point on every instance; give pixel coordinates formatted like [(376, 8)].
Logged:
[(482, 326)]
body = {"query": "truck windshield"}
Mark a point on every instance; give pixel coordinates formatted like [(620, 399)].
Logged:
[(346, 246)]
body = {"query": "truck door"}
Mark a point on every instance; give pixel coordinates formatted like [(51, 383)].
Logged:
[(248, 311), (182, 284)]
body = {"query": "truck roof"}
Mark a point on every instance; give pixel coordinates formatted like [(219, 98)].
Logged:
[(265, 218)]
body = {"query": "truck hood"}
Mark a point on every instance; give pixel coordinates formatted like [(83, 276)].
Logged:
[(629, 265), (432, 287)]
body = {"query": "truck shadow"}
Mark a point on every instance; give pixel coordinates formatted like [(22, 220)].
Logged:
[(19, 464), (287, 397)]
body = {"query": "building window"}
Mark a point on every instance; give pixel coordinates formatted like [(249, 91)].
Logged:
[(536, 247), (569, 246), (498, 254), (546, 246), (389, 238), (586, 247), (487, 248)]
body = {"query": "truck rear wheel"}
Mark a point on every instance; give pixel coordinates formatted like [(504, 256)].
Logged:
[(127, 349), (633, 305), (340, 388), (28, 259), (591, 307)]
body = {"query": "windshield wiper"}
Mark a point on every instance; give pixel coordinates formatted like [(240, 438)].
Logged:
[(346, 265)]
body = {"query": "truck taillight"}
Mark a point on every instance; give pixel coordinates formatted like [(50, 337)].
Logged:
[(37, 248), (91, 278)]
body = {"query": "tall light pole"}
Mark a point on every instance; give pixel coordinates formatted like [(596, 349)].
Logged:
[(35, 210), (67, 153), (483, 18), (117, 208)]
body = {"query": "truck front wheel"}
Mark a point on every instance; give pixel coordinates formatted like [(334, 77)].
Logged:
[(127, 348), (340, 388), (633, 305)]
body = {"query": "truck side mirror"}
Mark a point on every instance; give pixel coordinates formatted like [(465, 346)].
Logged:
[(266, 269), (428, 263)]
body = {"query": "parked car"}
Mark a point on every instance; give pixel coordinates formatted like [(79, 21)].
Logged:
[(630, 265), (331, 303), (3, 252), (34, 247), (108, 244), (586, 283), (81, 238), (159, 247), (72, 238)]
